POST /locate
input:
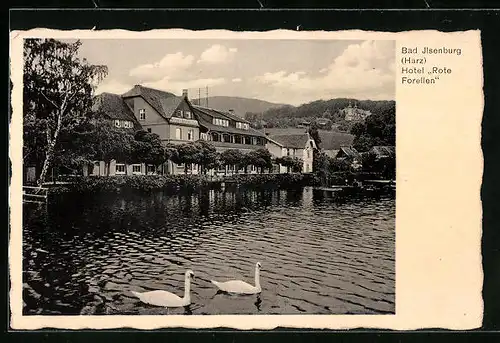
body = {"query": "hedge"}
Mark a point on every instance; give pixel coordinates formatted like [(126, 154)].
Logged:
[(93, 184)]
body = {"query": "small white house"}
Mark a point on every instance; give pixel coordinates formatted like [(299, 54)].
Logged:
[(294, 145)]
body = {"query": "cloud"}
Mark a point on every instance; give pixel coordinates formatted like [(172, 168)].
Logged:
[(112, 86), (170, 65), (237, 79), (217, 54), (176, 86), (364, 71)]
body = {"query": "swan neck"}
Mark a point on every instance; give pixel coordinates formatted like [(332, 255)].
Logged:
[(257, 278), (187, 289)]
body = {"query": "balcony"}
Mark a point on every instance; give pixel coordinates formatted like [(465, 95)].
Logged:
[(228, 145)]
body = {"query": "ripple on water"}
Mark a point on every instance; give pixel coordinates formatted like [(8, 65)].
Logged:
[(319, 255)]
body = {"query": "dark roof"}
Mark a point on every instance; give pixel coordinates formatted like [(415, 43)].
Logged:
[(113, 107), (296, 141), (164, 103), (331, 140), (384, 150), (350, 151), (219, 114), (210, 111)]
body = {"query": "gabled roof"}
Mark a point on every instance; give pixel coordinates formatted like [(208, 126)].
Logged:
[(350, 152), (164, 103), (222, 115), (113, 107), (384, 150), (210, 112), (295, 141), (331, 140)]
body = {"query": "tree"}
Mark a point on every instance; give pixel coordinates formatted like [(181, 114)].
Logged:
[(314, 133), (246, 160), (57, 93), (77, 148), (148, 148), (320, 164), (340, 165), (111, 143), (207, 155), (369, 161), (188, 153), (232, 157), (262, 158), (377, 129), (294, 164), (171, 152)]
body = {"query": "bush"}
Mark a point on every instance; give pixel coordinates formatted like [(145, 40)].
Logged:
[(146, 183)]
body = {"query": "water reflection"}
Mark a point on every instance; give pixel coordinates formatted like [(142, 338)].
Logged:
[(320, 253)]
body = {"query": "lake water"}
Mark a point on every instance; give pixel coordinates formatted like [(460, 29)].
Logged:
[(319, 254)]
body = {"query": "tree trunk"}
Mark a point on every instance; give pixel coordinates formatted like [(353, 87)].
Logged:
[(48, 157), (185, 168)]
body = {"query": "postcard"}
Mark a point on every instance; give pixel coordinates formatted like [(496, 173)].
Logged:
[(247, 180)]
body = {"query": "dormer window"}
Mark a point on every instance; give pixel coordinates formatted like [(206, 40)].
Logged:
[(220, 122), (187, 114), (240, 125), (117, 123), (142, 114)]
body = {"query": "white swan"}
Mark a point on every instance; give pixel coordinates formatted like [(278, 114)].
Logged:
[(240, 287), (167, 299)]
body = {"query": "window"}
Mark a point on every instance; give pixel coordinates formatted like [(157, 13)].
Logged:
[(178, 133), (190, 135), (203, 136), (220, 122), (120, 169), (149, 130), (308, 153), (142, 114), (187, 114), (245, 126), (151, 169), (117, 123), (136, 169), (239, 125), (254, 140)]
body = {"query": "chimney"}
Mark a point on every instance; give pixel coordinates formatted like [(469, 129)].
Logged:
[(185, 93)]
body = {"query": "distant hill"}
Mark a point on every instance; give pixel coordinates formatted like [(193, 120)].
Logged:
[(289, 116), (240, 105)]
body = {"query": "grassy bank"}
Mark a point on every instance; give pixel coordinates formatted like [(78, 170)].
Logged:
[(93, 184)]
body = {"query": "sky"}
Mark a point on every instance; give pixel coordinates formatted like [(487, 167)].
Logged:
[(281, 71)]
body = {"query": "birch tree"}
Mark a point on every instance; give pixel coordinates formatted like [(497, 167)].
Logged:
[(57, 94)]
